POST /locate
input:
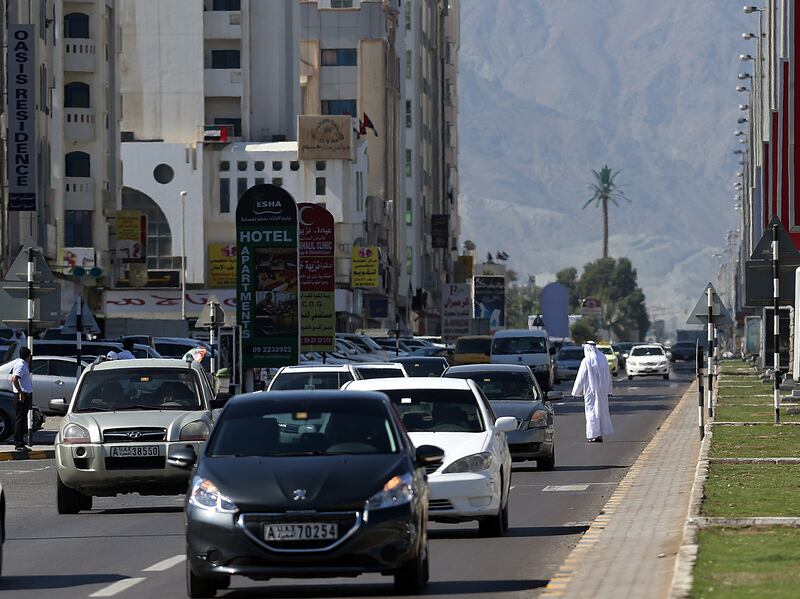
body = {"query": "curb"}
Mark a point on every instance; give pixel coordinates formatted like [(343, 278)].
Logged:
[(13, 455)]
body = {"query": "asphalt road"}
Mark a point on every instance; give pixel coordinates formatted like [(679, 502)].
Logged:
[(133, 546)]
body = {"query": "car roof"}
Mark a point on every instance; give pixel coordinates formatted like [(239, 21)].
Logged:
[(490, 368), (316, 397), (392, 365), (317, 368), (520, 333), (142, 363), (474, 337), (405, 359), (409, 383), (658, 345)]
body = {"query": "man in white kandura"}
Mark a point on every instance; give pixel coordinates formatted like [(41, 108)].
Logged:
[(593, 383)]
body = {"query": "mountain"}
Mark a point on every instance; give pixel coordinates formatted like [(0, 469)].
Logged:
[(549, 90)]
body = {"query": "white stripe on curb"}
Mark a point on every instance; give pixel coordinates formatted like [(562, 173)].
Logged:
[(166, 564), (117, 587)]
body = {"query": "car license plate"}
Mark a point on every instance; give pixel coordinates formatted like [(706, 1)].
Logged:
[(307, 531), (135, 451)]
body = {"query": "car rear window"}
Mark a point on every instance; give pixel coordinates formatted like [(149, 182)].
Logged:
[(138, 389), (502, 386), (437, 410), (380, 373), (571, 354), (473, 346), (519, 345), (647, 351), (310, 381), (425, 367)]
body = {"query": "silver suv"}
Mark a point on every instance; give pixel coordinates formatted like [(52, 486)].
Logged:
[(122, 422)]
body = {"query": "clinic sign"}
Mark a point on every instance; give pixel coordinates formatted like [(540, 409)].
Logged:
[(21, 65), (267, 277), (317, 279)]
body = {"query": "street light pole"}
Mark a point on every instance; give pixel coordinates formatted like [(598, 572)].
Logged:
[(183, 255)]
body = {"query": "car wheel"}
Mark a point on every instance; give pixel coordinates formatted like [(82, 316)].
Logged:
[(68, 500), (547, 463), (666, 377), (6, 426), (199, 586), (86, 502), (413, 575), (496, 526)]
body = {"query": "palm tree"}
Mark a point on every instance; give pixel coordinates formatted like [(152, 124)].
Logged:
[(604, 190)]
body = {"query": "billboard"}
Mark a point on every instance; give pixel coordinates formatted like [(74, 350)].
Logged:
[(490, 300), (456, 311), (131, 236), (325, 137), (222, 265), (555, 310), (317, 279), (22, 140), (365, 267), (267, 277)]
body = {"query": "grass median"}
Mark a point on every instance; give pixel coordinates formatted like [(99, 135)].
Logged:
[(756, 441), (738, 490), (752, 413)]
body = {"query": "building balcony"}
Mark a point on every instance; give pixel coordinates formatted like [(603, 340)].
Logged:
[(223, 83), (79, 55), (79, 124), (222, 24), (79, 193)]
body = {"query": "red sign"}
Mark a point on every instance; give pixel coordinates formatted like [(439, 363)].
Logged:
[(317, 278)]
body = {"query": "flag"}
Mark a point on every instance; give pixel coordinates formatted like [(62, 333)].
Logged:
[(362, 130), (501, 255), (367, 124)]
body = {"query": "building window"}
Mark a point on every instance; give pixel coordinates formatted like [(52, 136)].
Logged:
[(259, 165), (337, 107), (409, 259), (341, 3), (77, 164), (234, 124), (408, 113), (259, 180), (408, 64), (76, 95), (408, 163), (448, 135), (449, 52), (227, 5), (224, 166), (408, 16), (409, 211), (277, 165), (225, 59), (241, 187), (339, 57), (78, 228), (76, 25), (451, 94), (277, 181), (320, 165), (241, 165), (294, 165), (321, 190), (224, 195)]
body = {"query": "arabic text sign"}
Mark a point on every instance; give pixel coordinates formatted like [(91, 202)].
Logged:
[(131, 235), (222, 264), (317, 279), (490, 300), (364, 267), (456, 311), (267, 277)]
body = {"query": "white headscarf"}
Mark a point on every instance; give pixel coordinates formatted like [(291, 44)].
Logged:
[(598, 373)]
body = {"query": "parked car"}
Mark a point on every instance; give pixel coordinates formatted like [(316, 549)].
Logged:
[(568, 361), (453, 414), (528, 347), (365, 344), (423, 366), (2, 524), (377, 370), (436, 352), (512, 390), (391, 346), (124, 418), (684, 351), (8, 411), (89, 349), (316, 377), (611, 357), (307, 484), (472, 349), (648, 360), (52, 377)]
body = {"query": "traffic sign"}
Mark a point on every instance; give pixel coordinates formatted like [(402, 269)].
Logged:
[(758, 276), (46, 292), (88, 321), (718, 310), (591, 306), (212, 314)]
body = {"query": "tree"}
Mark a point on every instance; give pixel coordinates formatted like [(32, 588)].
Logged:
[(568, 277), (583, 330), (521, 301), (604, 189)]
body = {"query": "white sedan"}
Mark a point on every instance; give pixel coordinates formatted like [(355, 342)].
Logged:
[(474, 480), (647, 360), (53, 377)]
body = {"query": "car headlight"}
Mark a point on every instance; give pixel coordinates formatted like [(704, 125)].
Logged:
[(398, 490), (538, 420), (472, 463), (75, 433), (205, 495), (194, 431)]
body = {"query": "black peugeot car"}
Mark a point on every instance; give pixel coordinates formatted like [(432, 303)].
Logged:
[(307, 484)]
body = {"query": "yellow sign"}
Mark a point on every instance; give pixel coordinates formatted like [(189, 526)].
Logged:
[(221, 265), (365, 266), (129, 225)]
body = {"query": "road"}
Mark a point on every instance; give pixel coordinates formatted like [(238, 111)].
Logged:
[(132, 546)]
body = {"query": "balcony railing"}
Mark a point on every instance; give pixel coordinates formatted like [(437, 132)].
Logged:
[(223, 83), (79, 124), (79, 55), (79, 193), (222, 24)]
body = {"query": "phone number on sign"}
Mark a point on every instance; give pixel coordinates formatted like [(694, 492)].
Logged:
[(272, 349)]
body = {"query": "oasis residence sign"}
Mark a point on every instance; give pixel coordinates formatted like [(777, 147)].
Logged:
[(325, 137), (267, 277), (21, 66)]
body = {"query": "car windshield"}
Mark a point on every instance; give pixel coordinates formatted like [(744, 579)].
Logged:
[(437, 410), (571, 354), (519, 345), (473, 346), (606, 350), (424, 367), (138, 389), (502, 386), (379, 373), (310, 381), (260, 429), (646, 351)]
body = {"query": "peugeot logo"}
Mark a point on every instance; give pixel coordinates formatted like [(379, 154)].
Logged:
[(299, 494), (134, 434)]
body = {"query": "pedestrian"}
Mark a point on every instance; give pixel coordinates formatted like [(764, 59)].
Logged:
[(20, 337), (593, 383), (112, 355), (21, 382), (126, 353)]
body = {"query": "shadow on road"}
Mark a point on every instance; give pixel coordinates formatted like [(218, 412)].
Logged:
[(514, 531), (56, 581), (162, 509), (585, 468)]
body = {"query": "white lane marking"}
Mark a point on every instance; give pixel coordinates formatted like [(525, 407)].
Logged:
[(565, 488), (117, 587), (561, 487), (166, 564)]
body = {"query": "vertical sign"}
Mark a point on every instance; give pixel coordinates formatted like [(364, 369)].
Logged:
[(21, 65), (267, 286), (221, 265), (131, 236), (440, 231), (490, 300), (364, 271), (317, 279), (456, 311)]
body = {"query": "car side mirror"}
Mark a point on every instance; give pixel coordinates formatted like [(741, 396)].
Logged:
[(553, 396), (428, 455), (506, 424), (184, 457), (58, 406)]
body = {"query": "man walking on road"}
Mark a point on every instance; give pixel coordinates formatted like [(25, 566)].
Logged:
[(21, 382), (593, 383), (126, 354)]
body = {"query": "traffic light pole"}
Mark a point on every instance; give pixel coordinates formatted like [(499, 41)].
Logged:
[(30, 311), (776, 330)]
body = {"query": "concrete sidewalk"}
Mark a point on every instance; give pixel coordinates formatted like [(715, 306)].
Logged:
[(630, 550), (42, 448)]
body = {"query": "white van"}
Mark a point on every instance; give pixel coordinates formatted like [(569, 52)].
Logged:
[(523, 346)]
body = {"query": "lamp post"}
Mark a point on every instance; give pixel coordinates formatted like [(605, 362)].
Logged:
[(183, 255)]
